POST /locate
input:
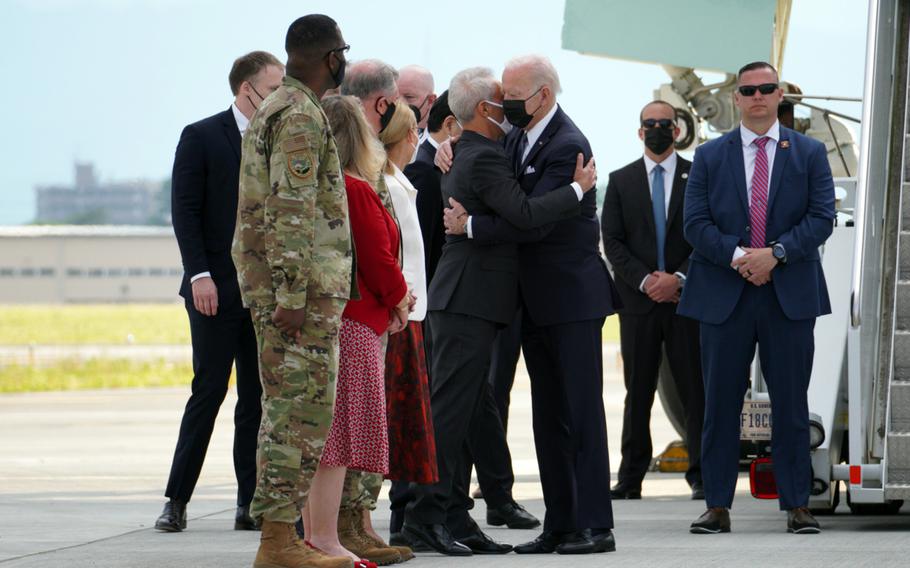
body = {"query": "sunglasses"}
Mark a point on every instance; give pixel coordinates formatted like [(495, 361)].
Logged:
[(662, 122), (765, 89)]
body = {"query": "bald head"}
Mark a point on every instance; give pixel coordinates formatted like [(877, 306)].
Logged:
[(415, 83)]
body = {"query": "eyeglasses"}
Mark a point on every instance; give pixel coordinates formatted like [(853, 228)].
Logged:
[(764, 88), (662, 122), (343, 49)]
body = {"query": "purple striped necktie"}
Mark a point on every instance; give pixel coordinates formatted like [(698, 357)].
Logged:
[(758, 206)]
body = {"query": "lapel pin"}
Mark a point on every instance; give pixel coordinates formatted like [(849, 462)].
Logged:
[(685, 175), (784, 144)]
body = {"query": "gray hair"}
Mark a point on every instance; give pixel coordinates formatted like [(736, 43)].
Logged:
[(539, 68), (468, 88), (367, 77)]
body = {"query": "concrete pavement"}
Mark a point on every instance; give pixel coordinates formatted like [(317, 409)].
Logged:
[(82, 476)]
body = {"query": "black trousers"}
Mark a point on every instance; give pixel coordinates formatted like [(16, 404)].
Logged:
[(219, 342), (565, 363), (643, 339), (506, 352), (462, 347)]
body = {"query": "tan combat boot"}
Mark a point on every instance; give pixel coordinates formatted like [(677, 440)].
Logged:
[(352, 536), (404, 551), (279, 547)]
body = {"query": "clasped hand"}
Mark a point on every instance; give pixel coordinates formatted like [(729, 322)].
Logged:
[(398, 319), (756, 265), (662, 287)]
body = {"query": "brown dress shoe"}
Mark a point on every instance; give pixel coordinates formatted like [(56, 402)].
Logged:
[(713, 521), (352, 536), (280, 547), (801, 521)]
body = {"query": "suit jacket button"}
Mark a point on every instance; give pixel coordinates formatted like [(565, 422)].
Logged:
[(748, 228)]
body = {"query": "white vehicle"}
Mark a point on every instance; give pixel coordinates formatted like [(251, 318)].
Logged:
[(859, 394)]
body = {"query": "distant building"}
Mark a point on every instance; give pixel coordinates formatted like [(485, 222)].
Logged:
[(82, 264), (90, 202)]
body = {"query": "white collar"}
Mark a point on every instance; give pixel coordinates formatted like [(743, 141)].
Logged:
[(669, 163), (433, 143), (402, 179), (538, 128), (749, 137), (242, 121)]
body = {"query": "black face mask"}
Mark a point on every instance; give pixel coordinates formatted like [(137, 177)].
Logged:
[(658, 139), (385, 117), (337, 74), (514, 110), (261, 98)]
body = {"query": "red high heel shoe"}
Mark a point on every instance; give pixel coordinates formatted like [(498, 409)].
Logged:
[(362, 563)]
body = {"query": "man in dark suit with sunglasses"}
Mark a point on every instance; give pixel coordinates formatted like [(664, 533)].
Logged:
[(759, 204), (642, 224)]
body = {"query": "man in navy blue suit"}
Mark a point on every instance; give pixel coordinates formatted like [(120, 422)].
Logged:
[(566, 293), (759, 203), (204, 190)]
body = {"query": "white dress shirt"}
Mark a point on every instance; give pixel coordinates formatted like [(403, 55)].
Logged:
[(242, 123), (669, 166), (749, 153), (404, 199), (533, 135)]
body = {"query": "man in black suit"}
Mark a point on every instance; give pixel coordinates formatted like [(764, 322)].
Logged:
[(474, 292), (566, 293), (642, 223), (204, 188)]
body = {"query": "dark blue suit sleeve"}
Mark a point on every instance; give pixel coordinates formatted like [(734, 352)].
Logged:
[(698, 225), (188, 200), (559, 171), (815, 228)]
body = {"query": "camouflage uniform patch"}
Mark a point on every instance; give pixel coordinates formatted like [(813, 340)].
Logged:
[(361, 490)]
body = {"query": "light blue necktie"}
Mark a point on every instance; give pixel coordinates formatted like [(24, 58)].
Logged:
[(658, 205)]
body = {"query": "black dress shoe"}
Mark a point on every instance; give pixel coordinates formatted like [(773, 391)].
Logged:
[(698, 491), (173, 517), (398, 539), (579, 542), (436, 537), (512, 515), (479, 543), (712, 521), (801, 521), (243, 521), (546, 543), (604, 541), (623, 491)]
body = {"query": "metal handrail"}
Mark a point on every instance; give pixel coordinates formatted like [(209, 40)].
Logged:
[(862, 177)]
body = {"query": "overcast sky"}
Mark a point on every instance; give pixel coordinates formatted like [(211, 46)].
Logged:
[(114, 81)]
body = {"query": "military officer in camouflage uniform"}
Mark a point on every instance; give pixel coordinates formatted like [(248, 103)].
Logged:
[(294, 258)]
